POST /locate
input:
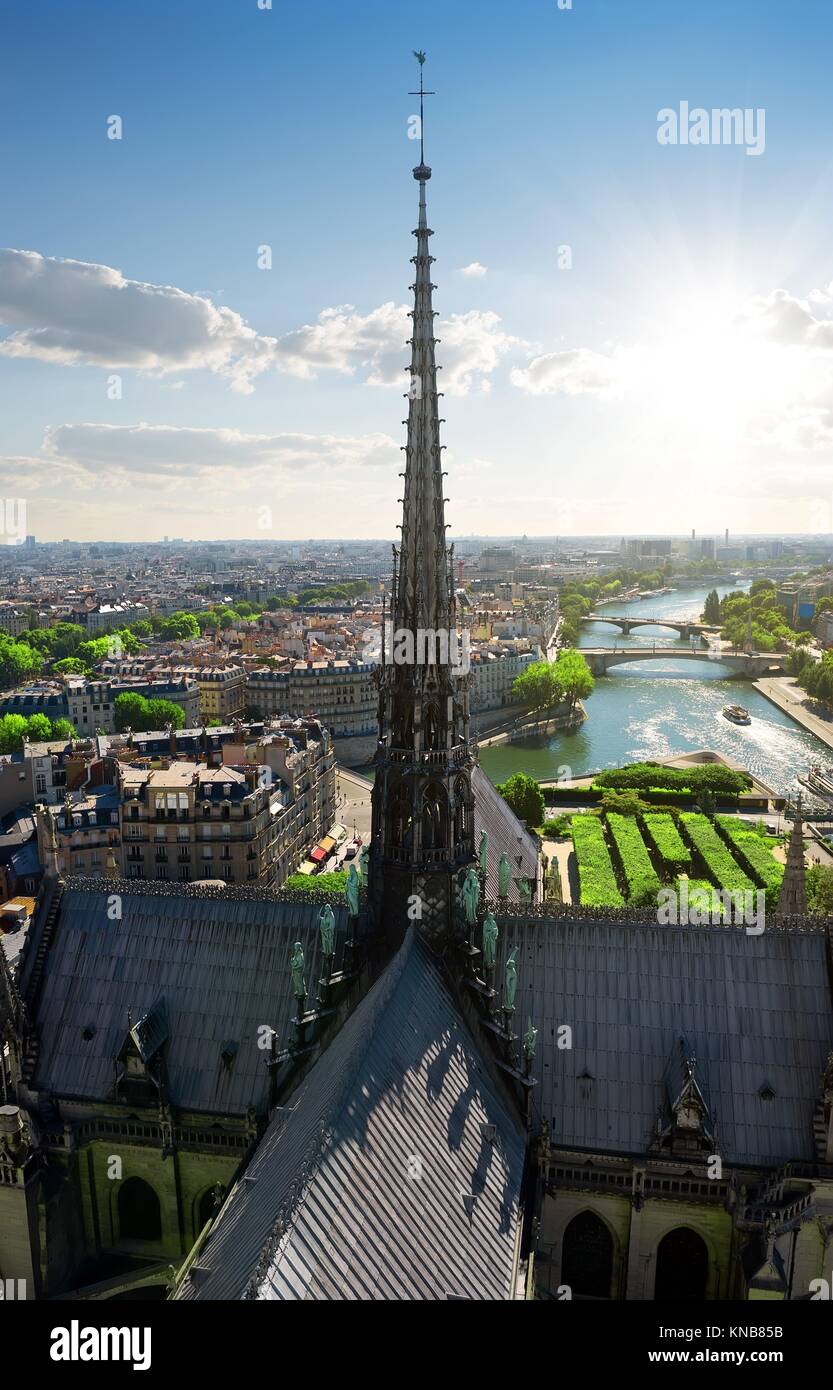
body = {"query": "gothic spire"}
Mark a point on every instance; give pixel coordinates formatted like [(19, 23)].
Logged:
[(792, 900), (423, 597)]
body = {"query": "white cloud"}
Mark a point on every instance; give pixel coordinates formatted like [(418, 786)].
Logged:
[(475, 271), (343, 340), (576, 372), (171, 451), (72, 312)]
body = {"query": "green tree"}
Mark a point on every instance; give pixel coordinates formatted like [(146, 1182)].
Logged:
[(18, 662), (71, 666), (130, 711), (12, 729), (573, 676), (524, 796), (179, 627), (819, 882), (162, 712), (711, 609)]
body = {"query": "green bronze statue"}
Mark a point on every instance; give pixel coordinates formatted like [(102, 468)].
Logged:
[(483, 851), (510, 981), (352, 889), (490, 935), (327, 928), (524, 889), (530, 1039), (504, 876), (471, 896), (296, 966), (364, 861)]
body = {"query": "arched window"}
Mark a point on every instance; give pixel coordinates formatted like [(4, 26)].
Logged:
[(140, 1216), (462, 810), (587, 1257), (399, 832), (434, 817), (682, 1267), (432, 732)]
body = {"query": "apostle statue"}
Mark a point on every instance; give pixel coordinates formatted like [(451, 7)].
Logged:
[(530, 1038), (510, 981), (483, 851), (504, 876), (327, 928), (352, 889), (296, 966), (471, 896), (364, 860), (490, 935)]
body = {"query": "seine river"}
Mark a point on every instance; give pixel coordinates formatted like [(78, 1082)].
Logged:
[(663, 708)]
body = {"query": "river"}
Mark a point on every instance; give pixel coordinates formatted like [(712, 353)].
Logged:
[(664, 708)]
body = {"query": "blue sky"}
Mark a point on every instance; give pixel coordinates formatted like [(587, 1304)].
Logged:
[(678, 373)]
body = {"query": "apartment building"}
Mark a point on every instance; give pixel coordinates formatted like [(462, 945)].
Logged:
[(92, 704), (341, 694), (221, 690), (493, 670), (244, 804)]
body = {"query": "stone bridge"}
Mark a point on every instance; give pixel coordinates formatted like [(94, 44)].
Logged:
[(752, 664), (685, 626)]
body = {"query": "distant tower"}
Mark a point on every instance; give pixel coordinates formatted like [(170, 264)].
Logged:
[(422, 801), (726, 538), (792, 900)]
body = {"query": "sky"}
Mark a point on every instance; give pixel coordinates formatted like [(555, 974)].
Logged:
[(202, 323)]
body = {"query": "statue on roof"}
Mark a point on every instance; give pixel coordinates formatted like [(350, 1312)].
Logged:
[(471, 896), (364, 861), (510, 980), (352, 889), (490, 935), (504, 876), (327, 926), (530, 1039), (483, 851), (524, 889), (296, 967)]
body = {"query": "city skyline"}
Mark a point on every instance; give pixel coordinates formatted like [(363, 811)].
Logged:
[(612, 310)]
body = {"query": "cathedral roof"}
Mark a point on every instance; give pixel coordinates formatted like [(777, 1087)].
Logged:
[(755, 1011), (507, 835), (221, 965), (384, 1178)]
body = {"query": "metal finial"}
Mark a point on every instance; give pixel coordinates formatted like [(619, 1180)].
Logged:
[(420, 57)]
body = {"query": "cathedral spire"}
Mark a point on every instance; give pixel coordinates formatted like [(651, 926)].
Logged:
[(423, 598), (423, 830)]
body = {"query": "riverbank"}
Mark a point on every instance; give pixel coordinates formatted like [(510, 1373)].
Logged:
[(783, 692)]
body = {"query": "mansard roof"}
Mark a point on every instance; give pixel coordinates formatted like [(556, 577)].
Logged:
[(221, 963), (755, 1010), (382, 1179)]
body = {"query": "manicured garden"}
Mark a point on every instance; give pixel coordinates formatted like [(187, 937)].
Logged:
[(641, 880), (712, 854), (626, 857), (752, 852), (596, 873), (667, 843)]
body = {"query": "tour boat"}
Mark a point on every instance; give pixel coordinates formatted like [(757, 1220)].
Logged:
[(737, 714)]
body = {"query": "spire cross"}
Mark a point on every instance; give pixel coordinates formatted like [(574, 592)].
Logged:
[(420, 57)]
